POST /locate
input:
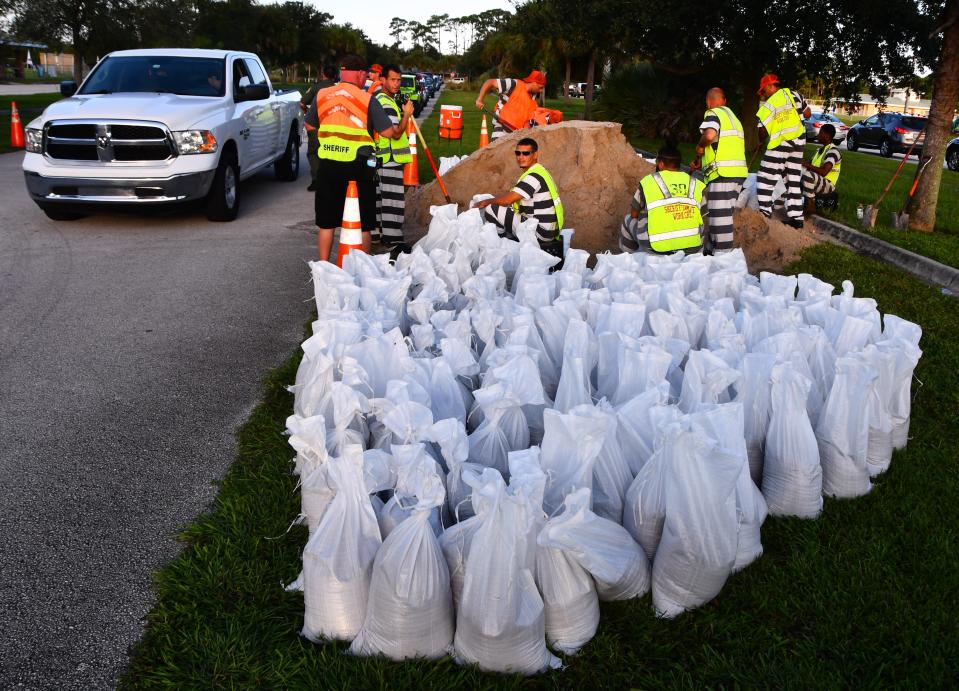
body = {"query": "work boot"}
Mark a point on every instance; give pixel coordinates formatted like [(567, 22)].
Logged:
[(794, 222)]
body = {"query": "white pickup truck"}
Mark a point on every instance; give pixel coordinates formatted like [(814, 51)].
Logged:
[(159, 127)]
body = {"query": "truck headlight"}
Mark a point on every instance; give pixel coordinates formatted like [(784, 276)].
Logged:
[(34, 140), (195, 141)]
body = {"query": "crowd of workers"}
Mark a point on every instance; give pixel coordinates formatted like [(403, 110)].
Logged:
[(358, 132)]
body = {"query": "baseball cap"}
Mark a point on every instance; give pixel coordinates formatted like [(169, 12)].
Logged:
[(375, 67), (536, 77), (767, 80)]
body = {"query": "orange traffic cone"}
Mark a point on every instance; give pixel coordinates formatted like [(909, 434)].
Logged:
[(484, 133), (411, 171), (351, 230), (16, 128)]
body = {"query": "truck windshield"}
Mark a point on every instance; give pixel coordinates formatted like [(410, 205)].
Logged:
[(157, 74), (407, 82)]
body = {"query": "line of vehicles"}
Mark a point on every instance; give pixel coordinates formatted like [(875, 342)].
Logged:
[(420, 88)]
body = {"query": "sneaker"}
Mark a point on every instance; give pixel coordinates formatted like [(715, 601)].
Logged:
[(794, 222)]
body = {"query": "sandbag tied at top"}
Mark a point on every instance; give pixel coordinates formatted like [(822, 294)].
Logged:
[(571, 446), (843, 430), (879, 446), (410, 609), (338, 559), (754, 391), (700, 532), (501, 624), (792, 475), (903, 337)]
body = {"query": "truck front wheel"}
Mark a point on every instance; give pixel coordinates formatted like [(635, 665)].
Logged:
[(287, 166), (223, 202)]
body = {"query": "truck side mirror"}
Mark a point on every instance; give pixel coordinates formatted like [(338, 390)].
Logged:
[(68, 88)]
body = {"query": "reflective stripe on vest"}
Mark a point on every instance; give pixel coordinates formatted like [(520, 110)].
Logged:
[(672, 207), (396, 149), (342, 111), (553, 194), (728, 159), (778, 115), (833, 176)]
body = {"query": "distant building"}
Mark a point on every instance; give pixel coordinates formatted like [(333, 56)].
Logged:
[(28, 59), (898, 101)]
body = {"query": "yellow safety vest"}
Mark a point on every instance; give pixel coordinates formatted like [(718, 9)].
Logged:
[(553, 194), (672, 207), (726, 157), (833, 176), (778, 115), (396, 149), (342, 111)]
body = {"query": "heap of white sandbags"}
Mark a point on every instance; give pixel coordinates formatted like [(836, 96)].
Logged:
[(488, 446)]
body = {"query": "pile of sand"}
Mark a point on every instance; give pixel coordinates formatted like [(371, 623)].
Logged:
[(597, 172)]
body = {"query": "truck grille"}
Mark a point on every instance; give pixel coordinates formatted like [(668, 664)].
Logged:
[(106, 142)]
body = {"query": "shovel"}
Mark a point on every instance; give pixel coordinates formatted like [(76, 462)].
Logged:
[(869, 213), (422, 140), (900, 221)]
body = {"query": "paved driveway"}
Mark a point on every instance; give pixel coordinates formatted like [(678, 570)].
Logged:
[(131, 347)]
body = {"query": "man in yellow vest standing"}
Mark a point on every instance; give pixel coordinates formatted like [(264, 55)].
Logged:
[(393, 154), (822, 173), (780, 121), (532, 85), (721, 154), (534, 196), (667, 211), (345, 117)]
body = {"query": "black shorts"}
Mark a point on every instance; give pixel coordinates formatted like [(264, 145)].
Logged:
[(332, 179)]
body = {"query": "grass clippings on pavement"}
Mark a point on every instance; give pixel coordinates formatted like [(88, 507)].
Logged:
[(865, 596)]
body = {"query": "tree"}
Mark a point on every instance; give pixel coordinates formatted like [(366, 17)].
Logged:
[(922, 212), (437, 23)]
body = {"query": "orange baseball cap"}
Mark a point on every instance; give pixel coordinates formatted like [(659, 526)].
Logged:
[(767, 80), (536, 77), (376, 68)]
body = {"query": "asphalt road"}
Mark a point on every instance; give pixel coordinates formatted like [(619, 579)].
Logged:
[(131, 348)]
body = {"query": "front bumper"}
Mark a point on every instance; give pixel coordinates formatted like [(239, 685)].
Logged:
[(77, 190)]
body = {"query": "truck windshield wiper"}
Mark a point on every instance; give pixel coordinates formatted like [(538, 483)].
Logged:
[(97, 93)]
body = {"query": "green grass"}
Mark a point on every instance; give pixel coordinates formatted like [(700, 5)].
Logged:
[(865, 596), (29, 106)]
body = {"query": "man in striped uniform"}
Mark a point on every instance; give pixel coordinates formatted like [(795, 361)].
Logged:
[(393, 153), (534, 196), (534, 84), (668, 211), (780, 121), (721, 154), (822, 173)]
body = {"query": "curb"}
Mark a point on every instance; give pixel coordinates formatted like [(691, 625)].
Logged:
[(925, 269)]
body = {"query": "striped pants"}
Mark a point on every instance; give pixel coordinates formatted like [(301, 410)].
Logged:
[(814, 183), (507, 222), (390, 203), (785, 161), (721, 196)]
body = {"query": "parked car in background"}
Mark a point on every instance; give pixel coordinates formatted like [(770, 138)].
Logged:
[(158, 127), (817, 120), (458, 80), (425, 85), (891, 133), (578, 90), (952, 155), (408, 88)]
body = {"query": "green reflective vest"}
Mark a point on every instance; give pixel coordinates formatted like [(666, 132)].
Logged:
[(778, 115), (396, 149), (833, 176), (553, 194), (726, 157), (672, 207)]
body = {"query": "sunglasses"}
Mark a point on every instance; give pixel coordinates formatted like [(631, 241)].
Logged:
[(523, 153)]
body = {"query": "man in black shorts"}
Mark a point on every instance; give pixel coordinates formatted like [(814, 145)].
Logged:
[(345, 117)]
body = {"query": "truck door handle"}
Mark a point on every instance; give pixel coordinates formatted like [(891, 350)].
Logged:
[(245, 133)]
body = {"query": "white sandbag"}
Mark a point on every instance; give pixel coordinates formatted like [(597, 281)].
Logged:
[(501, 622), (754, 391), (611, 474), (843, 430), (410, 609), (645, 509), (447, 163), (504, 427), (641, 420), (775, 284), (905, 335), (416, 472), (570, 599), (314, 377), (792, 475), (602, 548), (571, 444), (707, 379), (639, 371), (879, 447), (699, 544), (308, 439), (442, 233), (338, 559), (725, 425)]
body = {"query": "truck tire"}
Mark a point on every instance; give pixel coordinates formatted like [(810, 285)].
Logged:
[(287, 167), (223, 201), (56, 213)]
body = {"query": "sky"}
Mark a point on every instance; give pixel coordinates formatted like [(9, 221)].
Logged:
[(373, 16)]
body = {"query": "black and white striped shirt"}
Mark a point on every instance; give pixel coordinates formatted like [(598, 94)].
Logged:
[(833, 156), (537, 202)]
